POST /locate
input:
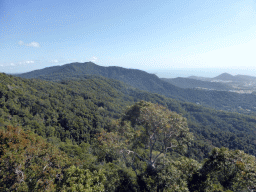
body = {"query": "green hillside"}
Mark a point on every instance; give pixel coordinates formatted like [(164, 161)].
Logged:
[(221, 100), (78, 109), (81, 118)]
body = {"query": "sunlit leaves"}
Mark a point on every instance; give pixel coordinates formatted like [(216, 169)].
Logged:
[(28, 162), (79, 180)]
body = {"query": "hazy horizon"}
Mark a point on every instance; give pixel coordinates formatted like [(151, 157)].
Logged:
[(177, 72)]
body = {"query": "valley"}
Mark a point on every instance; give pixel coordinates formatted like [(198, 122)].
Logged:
[(74, 108)]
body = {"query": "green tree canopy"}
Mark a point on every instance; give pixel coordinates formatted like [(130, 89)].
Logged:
[(148, 126), (28, 162), (143, 137), (226, 170)]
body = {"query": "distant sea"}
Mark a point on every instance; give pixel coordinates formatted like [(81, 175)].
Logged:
[(201, 72)]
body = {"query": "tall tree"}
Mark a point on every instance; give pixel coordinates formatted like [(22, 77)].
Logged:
[(144, 136)]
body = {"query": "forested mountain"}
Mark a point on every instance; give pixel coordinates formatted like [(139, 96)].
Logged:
[(89, 119), (193, 83), (242, 103)]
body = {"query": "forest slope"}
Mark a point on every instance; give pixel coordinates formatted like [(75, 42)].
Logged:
[(221, 100), (79, 109)]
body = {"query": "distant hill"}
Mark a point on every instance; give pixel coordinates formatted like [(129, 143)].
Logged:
[(199, 78), (226, 77), (137, 78), (142, 80), (245, 78), (194, 83)]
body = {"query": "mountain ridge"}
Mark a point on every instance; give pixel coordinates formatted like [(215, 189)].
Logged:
[(150, 82)]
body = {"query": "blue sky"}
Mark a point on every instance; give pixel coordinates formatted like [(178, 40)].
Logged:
[(147, 35)]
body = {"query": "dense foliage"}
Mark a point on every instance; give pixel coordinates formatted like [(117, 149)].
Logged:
[(29, 163), (79, 109), (148, 126), (225, 170), (135, 158), (98, 135)]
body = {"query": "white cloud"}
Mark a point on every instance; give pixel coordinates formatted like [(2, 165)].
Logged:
[(32, 44), (29, 62), (93, 59), (55, 61)]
